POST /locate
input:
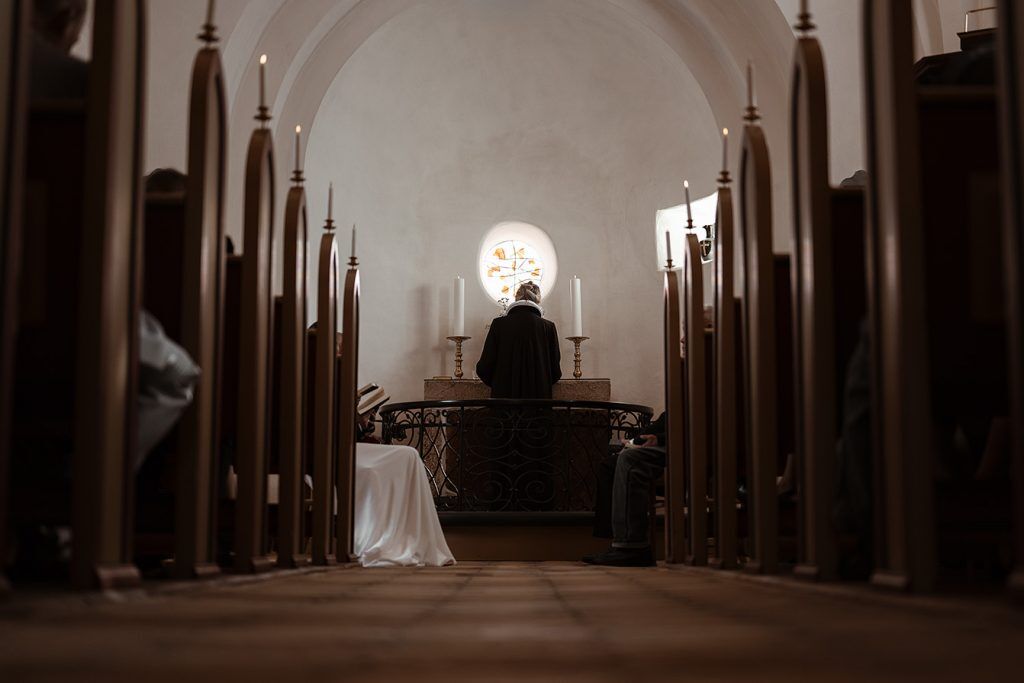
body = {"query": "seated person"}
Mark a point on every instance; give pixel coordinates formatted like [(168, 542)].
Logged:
[(56, 27), (623, 499), (521, 358), (396, 522)]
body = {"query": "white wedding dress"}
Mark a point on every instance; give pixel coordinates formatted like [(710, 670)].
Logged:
[(395, 519)]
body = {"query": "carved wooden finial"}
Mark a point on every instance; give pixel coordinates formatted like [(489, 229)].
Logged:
[(752, 114), (209, 34), (689, 212), (329, 224), (803, 20)]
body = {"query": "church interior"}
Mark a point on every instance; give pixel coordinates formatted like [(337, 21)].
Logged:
[(485, 340)]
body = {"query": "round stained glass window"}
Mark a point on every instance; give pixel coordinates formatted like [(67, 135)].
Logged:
[(510, 264), (514, 253)]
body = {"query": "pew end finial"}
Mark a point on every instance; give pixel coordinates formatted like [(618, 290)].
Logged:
[(751, 115), (803, 20), (329, 223), (689, 212), (209, 34)]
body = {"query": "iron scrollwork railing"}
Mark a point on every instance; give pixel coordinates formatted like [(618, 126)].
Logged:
[(504, 455)]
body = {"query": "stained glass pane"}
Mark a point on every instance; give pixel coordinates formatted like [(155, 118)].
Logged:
[(507, 265)]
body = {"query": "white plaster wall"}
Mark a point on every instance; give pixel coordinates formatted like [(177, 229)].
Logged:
[(173, 43), (459, 114), (667, 70)]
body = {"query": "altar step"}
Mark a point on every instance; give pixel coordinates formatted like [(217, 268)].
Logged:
[(523, 536)]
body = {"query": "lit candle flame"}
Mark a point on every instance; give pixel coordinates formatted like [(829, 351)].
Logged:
[(725, 149), (263, 83)]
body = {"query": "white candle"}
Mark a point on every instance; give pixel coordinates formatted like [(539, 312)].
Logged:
[(576, 292), (686, 189), (298, 146), (725, 149), (353, 240), (459, 307), (330, 201), (210, 11), (668, 246), (263, 81)]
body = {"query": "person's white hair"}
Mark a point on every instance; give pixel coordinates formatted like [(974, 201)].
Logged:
[(528, 291)]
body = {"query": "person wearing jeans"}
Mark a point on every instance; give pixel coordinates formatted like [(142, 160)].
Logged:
[(624, 486)]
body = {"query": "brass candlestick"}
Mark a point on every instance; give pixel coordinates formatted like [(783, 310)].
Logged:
[(458, 354), (577, 357)]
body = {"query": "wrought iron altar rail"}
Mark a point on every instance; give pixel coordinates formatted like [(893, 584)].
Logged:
[(504, 455)]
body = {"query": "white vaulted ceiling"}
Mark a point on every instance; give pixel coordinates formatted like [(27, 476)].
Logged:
[(583, 119), (309, 42)]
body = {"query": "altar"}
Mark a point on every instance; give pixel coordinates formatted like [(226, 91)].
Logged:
[(514, 479), (449, 389)]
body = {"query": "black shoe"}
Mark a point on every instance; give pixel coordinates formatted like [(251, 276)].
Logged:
[(623, 557)]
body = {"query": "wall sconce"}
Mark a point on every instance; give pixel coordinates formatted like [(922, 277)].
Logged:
[(708, 243)]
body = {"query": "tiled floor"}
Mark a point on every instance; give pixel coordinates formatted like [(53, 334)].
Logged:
[(509, 622)]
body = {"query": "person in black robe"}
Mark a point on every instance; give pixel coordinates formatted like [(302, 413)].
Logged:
[(512, 469), (521, 358)]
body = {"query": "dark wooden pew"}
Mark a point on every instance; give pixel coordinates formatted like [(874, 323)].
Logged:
[(203, 307), (829, 303), (767, 350), (183, 288), (1011, 55), (322, 411), (728, 414), (14, 36), (227, 417), (290, 379), (255, 354), (938, 317), (75, 392), (347, 404), (675, 436), (162, 284), (695, 400)]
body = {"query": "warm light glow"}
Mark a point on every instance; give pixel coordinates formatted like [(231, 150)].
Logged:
[(298, 130), (725, 132), (512, 253), (263, 59), (704, 211), (686, 184)]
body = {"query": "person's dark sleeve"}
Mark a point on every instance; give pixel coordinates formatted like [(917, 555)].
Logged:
[(489, 356), (554, 354), (657, 428)]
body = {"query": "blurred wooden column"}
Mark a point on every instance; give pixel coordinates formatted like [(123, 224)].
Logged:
[(1011, 55), (202, 322), (904, 489), (108, 325), (14, 38)]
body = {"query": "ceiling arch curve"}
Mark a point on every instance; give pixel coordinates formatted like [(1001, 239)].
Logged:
[(309, 42)]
